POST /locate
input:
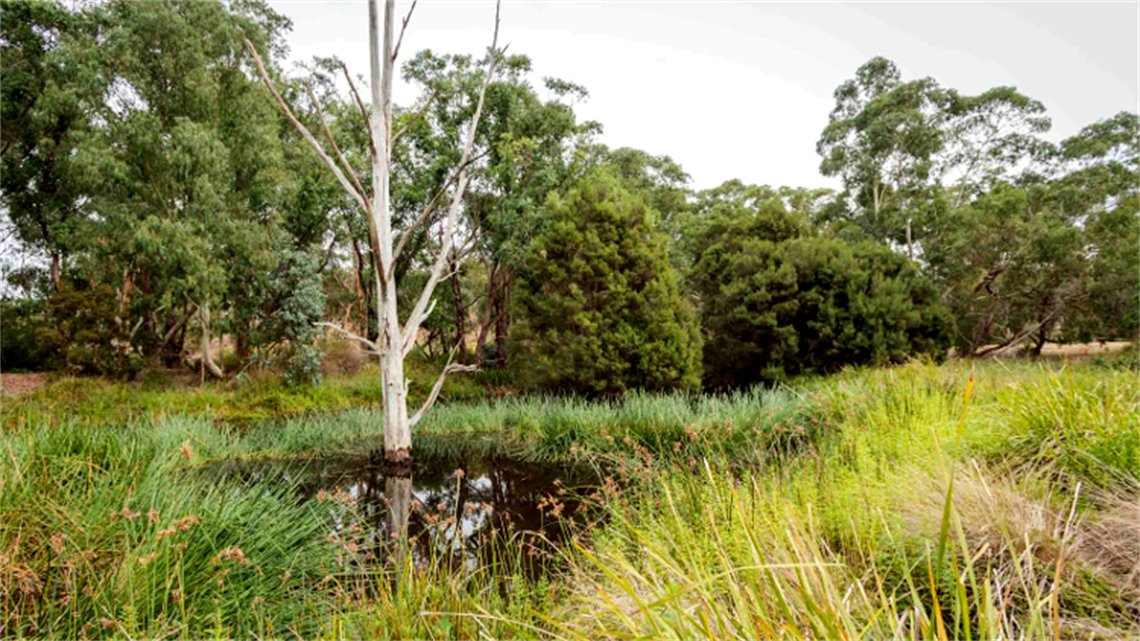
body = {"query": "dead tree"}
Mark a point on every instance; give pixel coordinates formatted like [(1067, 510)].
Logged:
[(394, 342)]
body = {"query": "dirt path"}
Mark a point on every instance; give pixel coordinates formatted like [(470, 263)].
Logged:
[(16, 384)]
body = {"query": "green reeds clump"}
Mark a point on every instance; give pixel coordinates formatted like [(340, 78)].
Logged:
[(1085, 421), (103, 536), (888, 529)]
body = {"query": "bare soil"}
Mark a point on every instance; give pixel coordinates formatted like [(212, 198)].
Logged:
[(1055, 350), (16, 384)]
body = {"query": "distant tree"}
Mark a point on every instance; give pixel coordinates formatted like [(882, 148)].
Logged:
[(1051, 257), (897, 145), (779, 300), (602, 308)]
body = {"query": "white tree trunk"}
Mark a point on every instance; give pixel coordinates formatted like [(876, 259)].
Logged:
[(394, 342), (397, 431)]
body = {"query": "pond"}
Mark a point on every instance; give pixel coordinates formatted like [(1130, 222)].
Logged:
[(459, 508)]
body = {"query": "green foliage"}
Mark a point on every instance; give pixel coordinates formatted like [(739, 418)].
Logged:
[(281, 307), (23, 322), (602, 307), (84, 333), (779, 301)]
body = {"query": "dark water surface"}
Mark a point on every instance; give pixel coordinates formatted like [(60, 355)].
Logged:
[(464, 511)]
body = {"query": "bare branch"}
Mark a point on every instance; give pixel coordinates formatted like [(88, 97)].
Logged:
[(406, 127), (403, 28), (450, 368), (360, 103), (430, 209), (357, 196), (349, 335), (336, 148), (177, 326), (417, 316)]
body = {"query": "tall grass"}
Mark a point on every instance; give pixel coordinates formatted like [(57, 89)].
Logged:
[(873, 504), (909, 520)]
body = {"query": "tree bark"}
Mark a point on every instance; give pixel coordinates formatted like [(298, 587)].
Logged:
[(460, 314), (488, 311), (503, 302), (207, 360), (397, 432), (55, 269)]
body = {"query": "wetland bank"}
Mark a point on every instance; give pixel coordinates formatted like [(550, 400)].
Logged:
[(822, 506), (402, 345)]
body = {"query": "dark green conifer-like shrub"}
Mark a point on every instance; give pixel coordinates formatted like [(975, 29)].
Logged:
[(603, 312), (779, 300)]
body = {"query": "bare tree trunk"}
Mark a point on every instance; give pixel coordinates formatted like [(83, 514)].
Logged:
[(909, 244), (207, 360), (503, 302), (55, 269), (460, 314), (397, 432)]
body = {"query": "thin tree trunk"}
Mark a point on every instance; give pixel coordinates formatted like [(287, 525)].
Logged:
[(909, 244), (503, 302), (358, 266), (55, 269), (488, 310), (460, 315), (207, 360)]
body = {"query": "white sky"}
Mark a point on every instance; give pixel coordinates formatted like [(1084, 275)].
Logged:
[(743, 90)]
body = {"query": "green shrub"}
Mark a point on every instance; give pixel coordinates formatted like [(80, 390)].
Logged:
[(21, 322), (777, 301), (603, 311), (83, 333)]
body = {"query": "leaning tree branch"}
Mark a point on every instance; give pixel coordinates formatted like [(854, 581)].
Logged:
[(357, 196), (403, 28), (408, 125), (359, 103), (332, 143), (450, 368), (417, 316), (349, 335), (429, 209)]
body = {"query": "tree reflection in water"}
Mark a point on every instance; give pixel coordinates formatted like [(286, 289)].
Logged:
[(446, 512)]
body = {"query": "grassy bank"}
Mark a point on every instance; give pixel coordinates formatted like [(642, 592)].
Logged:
[(870, 504), (248, 400)]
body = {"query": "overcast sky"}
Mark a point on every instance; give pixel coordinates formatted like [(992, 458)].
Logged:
[(742, 90)]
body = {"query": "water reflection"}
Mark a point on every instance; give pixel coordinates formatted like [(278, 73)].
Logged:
[(445, 513)]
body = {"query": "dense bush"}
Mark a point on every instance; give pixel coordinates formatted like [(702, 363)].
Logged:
[(84, 333), (603, 311), (20, 324), (286, 303), (777, 300)]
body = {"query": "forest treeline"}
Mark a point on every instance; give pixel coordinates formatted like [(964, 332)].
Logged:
[(166, 199)]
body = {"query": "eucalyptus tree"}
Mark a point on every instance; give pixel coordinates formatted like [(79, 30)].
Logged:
[(51, 80), (183, 159), (1049, 256), (395, 339), (900, 146)]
